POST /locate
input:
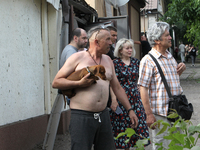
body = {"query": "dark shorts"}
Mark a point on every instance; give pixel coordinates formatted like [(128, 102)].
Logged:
[(88, 128)]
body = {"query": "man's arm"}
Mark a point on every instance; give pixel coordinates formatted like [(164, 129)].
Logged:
[(60, 81), (137, 42), (145, 101), (114, 102)]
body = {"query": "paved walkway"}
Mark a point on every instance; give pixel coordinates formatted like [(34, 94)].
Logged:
[(191, 72)]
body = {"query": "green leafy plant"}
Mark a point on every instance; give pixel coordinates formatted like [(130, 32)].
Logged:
[(130, 132), (182, 134)]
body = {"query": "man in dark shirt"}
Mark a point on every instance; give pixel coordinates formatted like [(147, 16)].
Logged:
[(113, 33), (145, 45)]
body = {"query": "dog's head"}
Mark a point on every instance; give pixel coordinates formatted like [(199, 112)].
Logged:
[(101, 72), (98, 70), (93, 70)]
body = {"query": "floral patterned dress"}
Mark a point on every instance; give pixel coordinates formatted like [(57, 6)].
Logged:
[(127, 76)]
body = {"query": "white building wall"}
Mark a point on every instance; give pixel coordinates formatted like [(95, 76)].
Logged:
[(21, 60), (160, 6), (152, 20)]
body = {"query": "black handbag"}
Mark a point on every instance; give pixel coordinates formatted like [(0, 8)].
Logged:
[(176, 102)]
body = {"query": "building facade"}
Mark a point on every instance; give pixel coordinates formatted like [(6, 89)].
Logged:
[(30, 33), (151, 13)]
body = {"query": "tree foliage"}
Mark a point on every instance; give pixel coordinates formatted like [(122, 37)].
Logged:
[(185, 14)]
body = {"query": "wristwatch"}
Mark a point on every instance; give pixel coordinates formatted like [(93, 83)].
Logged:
[(129, 110)]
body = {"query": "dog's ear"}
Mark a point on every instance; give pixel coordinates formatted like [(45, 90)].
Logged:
[(93, 70), (102, 70)]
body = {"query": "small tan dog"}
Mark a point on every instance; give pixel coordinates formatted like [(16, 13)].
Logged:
[(95, 72)]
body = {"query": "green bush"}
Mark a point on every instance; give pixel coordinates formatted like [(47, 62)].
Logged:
[(184, 140)]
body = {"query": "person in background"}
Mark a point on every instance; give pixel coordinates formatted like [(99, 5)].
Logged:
[(192, 53), (182, 52), (78, 42), (152, 90), (90, 121), (176, 53), (187, 48), (127, 71), (144, 45), (113, 33)]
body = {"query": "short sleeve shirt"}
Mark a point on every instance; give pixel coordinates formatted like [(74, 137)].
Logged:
[(66, 53), (150, 78)]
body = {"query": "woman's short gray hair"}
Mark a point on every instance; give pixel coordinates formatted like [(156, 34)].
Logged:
[(120, 45), (156, 31)]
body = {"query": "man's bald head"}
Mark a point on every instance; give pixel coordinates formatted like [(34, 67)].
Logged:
[(100, 39), (95, 32), (77, 32)]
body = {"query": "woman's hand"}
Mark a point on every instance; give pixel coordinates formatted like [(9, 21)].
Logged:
[(114, 105)]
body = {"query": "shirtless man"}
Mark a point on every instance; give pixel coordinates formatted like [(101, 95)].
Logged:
[(90, 121)]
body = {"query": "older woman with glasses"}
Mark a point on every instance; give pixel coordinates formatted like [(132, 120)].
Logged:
[(127, 70)]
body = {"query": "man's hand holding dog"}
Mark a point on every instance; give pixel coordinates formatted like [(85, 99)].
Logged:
[(85, 82)]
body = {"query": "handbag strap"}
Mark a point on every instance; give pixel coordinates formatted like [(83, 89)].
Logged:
[(162, 76)]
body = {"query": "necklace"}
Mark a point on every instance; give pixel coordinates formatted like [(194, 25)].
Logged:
[(93, 58)]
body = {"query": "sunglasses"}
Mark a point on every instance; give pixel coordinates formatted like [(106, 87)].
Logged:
[(97, 30), (97, 34)]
